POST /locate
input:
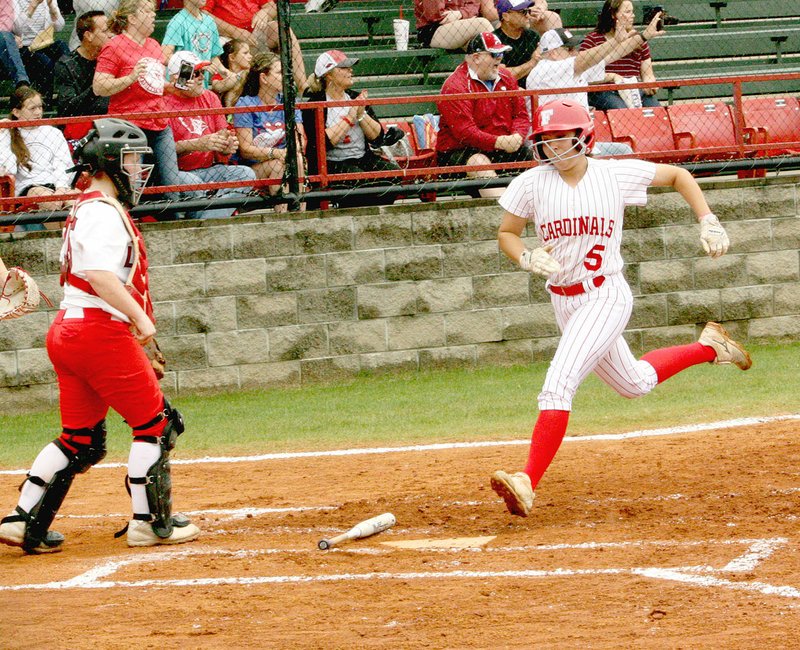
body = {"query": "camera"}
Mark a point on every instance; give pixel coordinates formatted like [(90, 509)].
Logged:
[(666, 19), (184, 74)]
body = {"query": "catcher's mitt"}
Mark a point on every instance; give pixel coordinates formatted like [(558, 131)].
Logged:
[(156, 357), (20, 295)]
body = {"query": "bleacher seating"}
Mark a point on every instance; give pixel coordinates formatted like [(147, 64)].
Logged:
[(646, 130), (772, 119), (699, 126), (728, 38)]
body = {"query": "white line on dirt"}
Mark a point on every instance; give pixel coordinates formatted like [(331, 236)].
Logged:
[(644, 433), (758, 550)]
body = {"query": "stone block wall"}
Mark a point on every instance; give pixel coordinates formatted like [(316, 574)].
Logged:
[(285, 300)]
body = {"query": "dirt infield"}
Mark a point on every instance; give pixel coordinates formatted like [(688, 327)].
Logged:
[(675, 541)]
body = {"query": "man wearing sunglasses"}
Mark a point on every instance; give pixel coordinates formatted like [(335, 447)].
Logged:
[(515, 32), (484, 130)]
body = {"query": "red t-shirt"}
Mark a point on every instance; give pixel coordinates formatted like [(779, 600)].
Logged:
[(189, 127), (118, 57), (629, 65), (238, 13)]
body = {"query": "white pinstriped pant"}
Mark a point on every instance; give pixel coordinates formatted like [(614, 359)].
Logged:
[(591, 327)]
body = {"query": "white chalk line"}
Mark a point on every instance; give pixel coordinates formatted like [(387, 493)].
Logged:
[(644, 433), (701, 576)]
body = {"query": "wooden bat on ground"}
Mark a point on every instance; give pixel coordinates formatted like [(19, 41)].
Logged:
[(364, 529)]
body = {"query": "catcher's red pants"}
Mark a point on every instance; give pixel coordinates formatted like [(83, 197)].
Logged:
[(100, 365)]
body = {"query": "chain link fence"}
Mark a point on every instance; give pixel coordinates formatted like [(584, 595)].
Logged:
[(389, 103)]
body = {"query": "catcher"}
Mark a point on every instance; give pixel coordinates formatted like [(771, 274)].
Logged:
[(96, 346)]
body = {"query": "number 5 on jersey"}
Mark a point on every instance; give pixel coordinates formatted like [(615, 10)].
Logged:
[(594, 258)]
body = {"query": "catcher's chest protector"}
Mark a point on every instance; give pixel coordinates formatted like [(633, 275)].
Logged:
[(137, 283)]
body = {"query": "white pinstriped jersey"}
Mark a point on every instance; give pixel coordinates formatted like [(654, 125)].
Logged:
[(583, 223)]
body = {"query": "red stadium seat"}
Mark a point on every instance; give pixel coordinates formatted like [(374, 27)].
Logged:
[(698, 127), (7, 190), (646, 130), (769, 120), (602, 129)]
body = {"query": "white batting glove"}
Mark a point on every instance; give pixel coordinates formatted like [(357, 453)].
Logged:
[(539, 261), (713, 236)]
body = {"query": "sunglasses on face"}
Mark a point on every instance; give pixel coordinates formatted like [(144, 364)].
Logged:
[(497, 55)]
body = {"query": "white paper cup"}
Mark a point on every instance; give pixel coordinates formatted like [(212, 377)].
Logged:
[(401, 28)]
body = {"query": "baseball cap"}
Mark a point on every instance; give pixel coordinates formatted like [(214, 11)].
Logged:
[(487, 42), (331, 59), (555, 38), (184, 56), (513, 5)]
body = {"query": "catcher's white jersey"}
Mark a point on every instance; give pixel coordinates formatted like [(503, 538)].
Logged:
[(583, 223), (99, 242)]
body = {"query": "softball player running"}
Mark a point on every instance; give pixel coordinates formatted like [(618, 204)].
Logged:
[(577, 206), (95, 344)]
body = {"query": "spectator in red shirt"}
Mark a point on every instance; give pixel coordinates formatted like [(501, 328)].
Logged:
[(637, 65), (449, 24), (203, 142), (130, 70), (482, 131), (255, 21)]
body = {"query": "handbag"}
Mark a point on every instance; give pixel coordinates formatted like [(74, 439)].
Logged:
[(43, 39)]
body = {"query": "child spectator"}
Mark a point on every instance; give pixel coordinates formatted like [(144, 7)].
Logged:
[(38, 156), (262, 134), (203, 142), (194, 30), (236, 57), (130, 71), (256, 21), (36, 22)]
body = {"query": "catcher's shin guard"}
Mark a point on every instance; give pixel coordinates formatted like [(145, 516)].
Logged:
[(158, 480), (83, 448)]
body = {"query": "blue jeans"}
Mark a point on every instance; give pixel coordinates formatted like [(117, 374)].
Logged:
[(166, 171), (609, 100), (222, 174), (11, 59)]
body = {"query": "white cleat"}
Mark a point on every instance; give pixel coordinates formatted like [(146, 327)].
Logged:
[(728, 351), (12, 533), (140, 533), (516, 491)]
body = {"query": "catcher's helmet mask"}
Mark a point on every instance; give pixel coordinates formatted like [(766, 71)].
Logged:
[(560, 116), (117, 147)]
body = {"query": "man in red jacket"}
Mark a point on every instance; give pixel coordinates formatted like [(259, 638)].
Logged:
[(485, 130)]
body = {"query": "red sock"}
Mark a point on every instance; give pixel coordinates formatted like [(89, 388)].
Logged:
[(670, 361), (547, 436)]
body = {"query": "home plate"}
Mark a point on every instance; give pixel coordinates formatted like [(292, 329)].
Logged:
[(453, 542)]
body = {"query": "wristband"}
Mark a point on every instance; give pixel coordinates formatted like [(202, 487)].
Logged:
[(348, 121), (363, 115), (644, 38)]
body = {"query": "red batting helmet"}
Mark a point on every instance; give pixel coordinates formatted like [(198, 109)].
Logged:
[(563, 115)]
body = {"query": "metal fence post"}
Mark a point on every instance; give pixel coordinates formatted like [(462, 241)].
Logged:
[(291, 175)]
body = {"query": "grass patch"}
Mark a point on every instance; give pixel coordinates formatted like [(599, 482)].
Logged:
[(436, 406)]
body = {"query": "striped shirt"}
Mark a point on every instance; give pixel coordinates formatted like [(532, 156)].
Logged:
[(629, 65)]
